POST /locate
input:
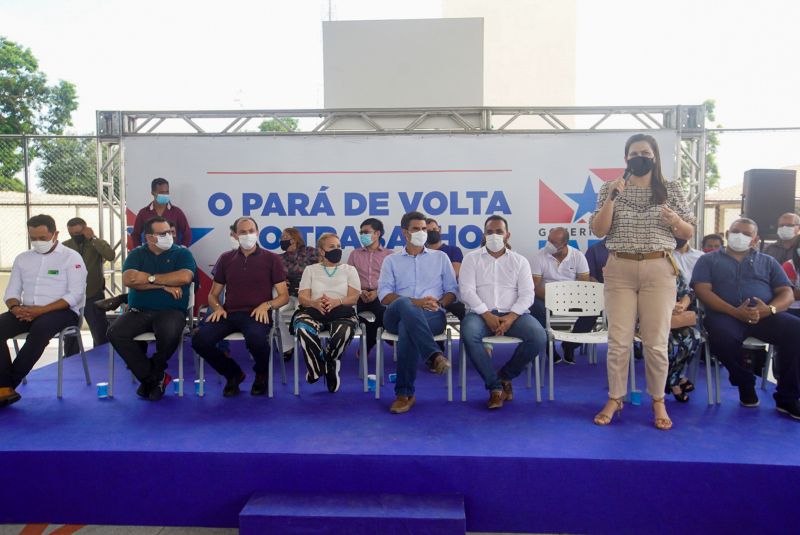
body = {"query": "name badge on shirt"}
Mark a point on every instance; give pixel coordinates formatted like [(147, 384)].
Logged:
[(52, 272)]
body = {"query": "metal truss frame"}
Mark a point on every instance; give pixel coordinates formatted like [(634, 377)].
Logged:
[(113, 126)]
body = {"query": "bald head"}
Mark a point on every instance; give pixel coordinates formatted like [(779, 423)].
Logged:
[(788, 226)]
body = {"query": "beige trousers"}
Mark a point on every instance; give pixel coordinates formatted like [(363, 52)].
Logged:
[(644, 289)]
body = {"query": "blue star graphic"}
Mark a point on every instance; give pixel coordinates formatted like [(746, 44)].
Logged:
[(587, 201)]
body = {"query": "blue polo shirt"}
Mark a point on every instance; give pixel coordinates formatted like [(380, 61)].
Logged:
[(757, 275), (173, 259)]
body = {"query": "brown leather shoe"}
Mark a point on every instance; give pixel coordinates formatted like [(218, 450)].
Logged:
[(507, 390), (402, 404), (8, 396), (440, 364), (496, 399)]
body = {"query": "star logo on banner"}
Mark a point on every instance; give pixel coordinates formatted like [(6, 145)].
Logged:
[(587, 200)]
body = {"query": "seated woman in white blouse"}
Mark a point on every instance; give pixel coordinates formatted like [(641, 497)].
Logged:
[(328, 293)]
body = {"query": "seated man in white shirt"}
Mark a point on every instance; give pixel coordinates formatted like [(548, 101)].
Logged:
[(46, 289), (557, 261), (496, 285)]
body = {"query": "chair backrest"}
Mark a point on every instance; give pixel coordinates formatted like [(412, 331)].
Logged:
[(190, 307), (574, 298)]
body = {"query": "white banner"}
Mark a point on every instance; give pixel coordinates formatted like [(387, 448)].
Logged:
[(331, 183)]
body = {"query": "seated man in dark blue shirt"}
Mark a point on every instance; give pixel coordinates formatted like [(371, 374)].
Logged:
[(158, 274), (746, 293)]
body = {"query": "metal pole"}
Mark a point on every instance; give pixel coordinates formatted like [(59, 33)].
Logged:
[(26, 175)]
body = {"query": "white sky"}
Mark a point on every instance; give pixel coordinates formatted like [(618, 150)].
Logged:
[(165, 54)]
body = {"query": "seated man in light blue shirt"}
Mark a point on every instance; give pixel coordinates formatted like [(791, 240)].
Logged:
[(497, 286), (416, 285)]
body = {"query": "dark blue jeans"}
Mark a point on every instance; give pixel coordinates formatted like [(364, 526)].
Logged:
[(256, 338), (726, 334), (416, 329), (530, 331)]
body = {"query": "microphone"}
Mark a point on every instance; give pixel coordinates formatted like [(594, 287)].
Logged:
[(625, 177)]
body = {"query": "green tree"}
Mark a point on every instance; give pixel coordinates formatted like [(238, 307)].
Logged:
[(28, 105), (286, 124), (68, 166), (712, 144)]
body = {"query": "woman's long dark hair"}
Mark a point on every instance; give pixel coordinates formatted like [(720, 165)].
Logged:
[(657, 184)]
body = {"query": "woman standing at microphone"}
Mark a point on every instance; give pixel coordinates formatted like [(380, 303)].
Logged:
[(641, 218)]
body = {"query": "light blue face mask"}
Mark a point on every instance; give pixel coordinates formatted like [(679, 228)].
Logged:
[(366, 239), (162, 198)]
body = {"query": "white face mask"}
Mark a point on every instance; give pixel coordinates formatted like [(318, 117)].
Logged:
[(247, 241), (234, 243), (164, 242), (786, 233), (549, 248), (495, 242), (419, 238), (739, 242), (42, 247)]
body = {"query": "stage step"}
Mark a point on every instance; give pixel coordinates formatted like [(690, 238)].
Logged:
[(353, 514)]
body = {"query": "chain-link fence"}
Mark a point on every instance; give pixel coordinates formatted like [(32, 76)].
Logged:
[(54, 175)]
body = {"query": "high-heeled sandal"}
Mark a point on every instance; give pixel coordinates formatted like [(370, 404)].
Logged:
[(664, 424), (686, 386), (603, 419)]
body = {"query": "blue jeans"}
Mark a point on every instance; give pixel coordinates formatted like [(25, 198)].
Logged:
[(416, 329), (526, 328)]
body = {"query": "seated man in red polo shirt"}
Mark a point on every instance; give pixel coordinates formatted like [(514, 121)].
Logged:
[(162, 207), (248, 275)]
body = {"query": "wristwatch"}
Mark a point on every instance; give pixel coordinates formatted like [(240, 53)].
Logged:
[(151, 279), (773, 309)]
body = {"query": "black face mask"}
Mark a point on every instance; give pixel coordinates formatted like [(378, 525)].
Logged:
[(78, 238), (640, 165), (679, 243), (333, 256), (434, 236), (285, 244)]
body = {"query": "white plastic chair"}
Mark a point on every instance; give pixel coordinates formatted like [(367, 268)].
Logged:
[(150, 337), (493, 340), (71, 331), (574, 299), (752, 343), (385, 336)]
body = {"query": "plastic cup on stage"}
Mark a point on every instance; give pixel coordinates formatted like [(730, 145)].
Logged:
[(197, 386), (636, 397), (102, 390), (392, 377), (371, 378), (176, 385)]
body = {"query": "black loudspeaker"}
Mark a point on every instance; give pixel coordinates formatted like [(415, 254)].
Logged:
[(767, 194)]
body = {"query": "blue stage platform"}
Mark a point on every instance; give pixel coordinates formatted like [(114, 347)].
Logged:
[(526, 468)]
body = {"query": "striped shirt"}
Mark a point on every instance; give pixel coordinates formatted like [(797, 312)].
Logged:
[(636, 225)]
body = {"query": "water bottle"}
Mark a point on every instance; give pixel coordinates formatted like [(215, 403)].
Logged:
[(371, 379), (102, 390)]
